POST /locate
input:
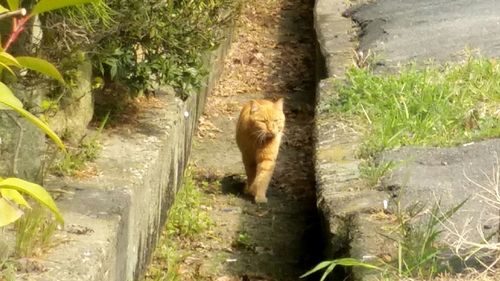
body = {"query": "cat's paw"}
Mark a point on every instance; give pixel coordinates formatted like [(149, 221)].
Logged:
[(260, 199)]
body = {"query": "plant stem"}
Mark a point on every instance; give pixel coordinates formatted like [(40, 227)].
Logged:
[(17, 28)]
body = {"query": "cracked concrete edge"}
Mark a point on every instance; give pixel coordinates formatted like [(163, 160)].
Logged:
[(113, 219), (344, 201)]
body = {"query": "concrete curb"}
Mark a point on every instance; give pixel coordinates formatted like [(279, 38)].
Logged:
[(334, 49), (114, 219), (344, 201)]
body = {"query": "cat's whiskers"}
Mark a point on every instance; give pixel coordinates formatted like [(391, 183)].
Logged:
[(262, 136), (258, 136)]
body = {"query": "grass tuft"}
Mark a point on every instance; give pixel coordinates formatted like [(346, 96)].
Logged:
[(34, 232), (186, 219)]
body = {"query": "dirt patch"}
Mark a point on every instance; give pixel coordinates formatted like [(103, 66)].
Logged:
[(272, 56)]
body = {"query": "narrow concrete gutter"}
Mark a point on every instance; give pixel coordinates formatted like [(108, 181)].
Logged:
[(344, 201), (114, 219)]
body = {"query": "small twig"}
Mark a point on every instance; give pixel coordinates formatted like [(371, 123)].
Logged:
[(20, 12), (59, 190)]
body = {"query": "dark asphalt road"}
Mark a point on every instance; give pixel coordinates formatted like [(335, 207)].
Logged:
[(407, 30)]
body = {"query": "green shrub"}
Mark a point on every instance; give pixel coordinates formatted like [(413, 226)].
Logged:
[(139, 44)]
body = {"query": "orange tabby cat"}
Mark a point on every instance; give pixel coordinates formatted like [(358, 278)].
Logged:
[(258, 135)]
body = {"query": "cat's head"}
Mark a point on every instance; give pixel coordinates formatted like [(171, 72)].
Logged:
[(268, 118)]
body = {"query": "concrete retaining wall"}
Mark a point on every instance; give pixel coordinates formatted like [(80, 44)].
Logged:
[(114, 218)]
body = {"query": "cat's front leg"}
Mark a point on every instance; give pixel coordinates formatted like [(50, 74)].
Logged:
[(262, 179)]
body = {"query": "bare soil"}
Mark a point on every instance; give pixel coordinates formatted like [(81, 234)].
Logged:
[(272, 56)]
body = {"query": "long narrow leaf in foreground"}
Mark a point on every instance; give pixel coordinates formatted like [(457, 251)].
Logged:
[(50, 5), (342, 261), (14, 104), (35, 191), (7, 96)]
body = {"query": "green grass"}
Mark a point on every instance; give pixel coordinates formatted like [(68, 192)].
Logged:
[(186, 220), (34, 231), (7, 270), (372, 172), (88, 150), (420, 249), (435, 106), (166, 263), (186, 217), (244, 241), (76, 159)]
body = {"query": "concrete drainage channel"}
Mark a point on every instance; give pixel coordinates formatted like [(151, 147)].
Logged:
[(114, 219)]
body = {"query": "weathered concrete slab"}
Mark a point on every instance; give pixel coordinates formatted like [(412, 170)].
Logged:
[(448, 176), (114, 219), (405, 30)]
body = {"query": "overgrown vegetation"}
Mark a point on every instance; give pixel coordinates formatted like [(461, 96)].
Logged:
[(435, 106), (12, 201), (186, 219), (33, 223), (144, 44)]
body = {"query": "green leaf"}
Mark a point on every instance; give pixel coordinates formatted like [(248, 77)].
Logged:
[(49, 5), (6, 95), (328, 271), (3, 9), (13, 4), (332, 263), (8, 212), (41, 66), (8, 59), (9, 100), (14, 196), (355, 262), (318, 267), (4, 66), (35, 191)]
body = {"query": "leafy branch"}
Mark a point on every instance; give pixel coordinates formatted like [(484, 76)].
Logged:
[(11, 189)]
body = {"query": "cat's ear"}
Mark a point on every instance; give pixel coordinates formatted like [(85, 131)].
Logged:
[(254, 106), (279, 104)]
